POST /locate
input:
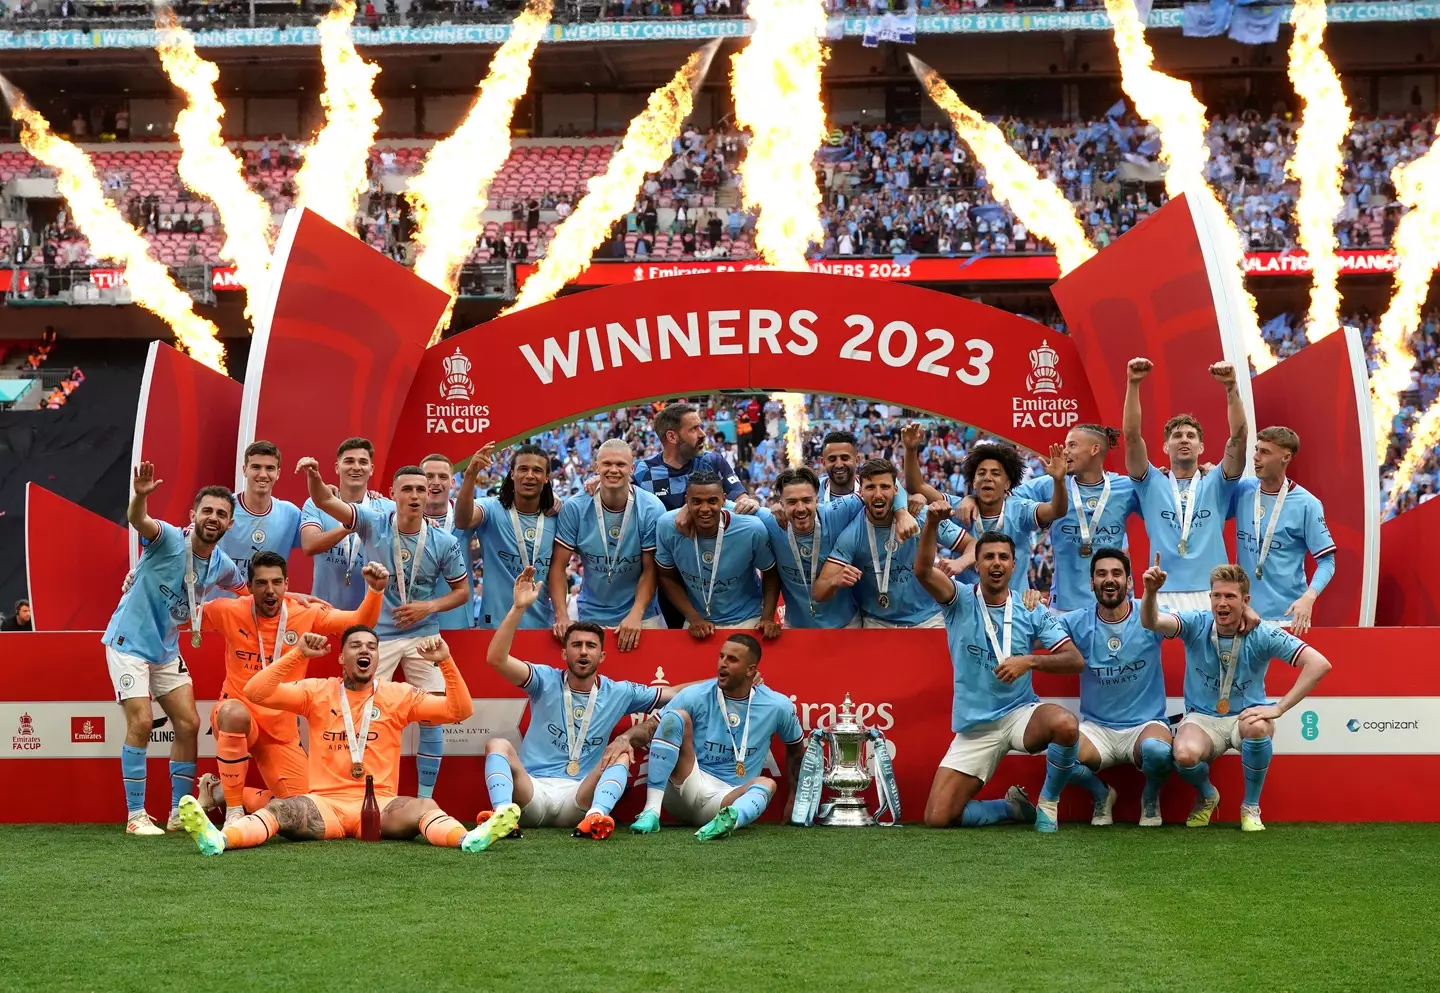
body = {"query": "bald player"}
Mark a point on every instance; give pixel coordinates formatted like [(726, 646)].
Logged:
[(355, 726)]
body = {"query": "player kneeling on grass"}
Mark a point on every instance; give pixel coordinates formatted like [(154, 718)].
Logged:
[(705, 746), (557, 777), (355, 726), (1225, 704)]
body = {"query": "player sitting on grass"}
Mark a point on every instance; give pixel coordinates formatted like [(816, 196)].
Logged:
[(355, 726), (557, 777), (1222, 662), (707, 742)]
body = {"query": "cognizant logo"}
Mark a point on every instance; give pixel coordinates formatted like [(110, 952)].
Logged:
[(1355, 725)]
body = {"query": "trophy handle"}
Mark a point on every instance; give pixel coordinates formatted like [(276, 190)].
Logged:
[(832, 752)]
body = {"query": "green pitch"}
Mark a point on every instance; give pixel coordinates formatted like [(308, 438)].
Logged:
[(1298, 908)]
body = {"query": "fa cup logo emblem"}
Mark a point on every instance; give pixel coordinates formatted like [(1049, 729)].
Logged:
[(457, 384), (1044, 376)]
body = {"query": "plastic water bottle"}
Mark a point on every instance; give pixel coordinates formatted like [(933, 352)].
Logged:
[(370, 813)]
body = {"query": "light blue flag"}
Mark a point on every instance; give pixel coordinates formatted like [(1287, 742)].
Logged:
[(1206, 20), (1255, 25)]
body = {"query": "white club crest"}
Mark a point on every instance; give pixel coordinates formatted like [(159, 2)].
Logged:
[(1044, 372), (457, 384)]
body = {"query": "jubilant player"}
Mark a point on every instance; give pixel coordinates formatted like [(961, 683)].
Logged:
[(723, 574), (706, 745), (516, 531), (556, 779), (995, 708), (613, 532), (142, 640), (839, 459), (262, 523), (257, 629), (884, 585), (440, 513), (1184, 508), (1225, 702), (427, 578), (337, 551), (1122, 690), (1276, 522), (355, 725)]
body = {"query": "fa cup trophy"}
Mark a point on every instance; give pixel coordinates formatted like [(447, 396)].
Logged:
[(846, 773)]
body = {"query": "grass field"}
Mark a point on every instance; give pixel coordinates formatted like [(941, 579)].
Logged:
[(1303, 907)]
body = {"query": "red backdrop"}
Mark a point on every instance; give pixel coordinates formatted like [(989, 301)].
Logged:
[(58, 534)]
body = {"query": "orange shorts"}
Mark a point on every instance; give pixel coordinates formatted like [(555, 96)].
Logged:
[(342, 817), (282, 764)]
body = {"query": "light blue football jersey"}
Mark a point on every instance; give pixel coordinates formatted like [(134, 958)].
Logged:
[(544, 751), (1301, 529), (613, 557), (337, 570), (718, 735), (277, 530), (910, 604), (1122, 684), (1070, 589), (744, 554), (1255, 650), (1205, 548), (500, 554), (439, 566)]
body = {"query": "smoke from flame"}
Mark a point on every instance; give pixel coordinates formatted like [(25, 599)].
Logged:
[(1037, 202), (1317, 162), (1171, 106), (450, 193), (207, 166), (110, 236), (644, 150), (333, 176)]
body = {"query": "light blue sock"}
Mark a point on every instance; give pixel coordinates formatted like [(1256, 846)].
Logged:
[(1198, 776), (1082, 775), (182, 781), (979, 813), (1255, 759), (1155, 760), (498, 781), (664, 751), (427, 758), (132, 769), (751, 805), (1059, 763), (610, 787)]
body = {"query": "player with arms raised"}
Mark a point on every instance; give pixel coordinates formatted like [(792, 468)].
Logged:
[(338, 552), (142, 641), (1225, 702), (995, 708), (355, 726)]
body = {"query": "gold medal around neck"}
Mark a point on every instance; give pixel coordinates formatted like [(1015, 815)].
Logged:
[(1182, 547), (1223, 707), (739, 768), (1085, 549), (572, 768), (1259, 572), (195, 638), (357, 770), (884, 601)]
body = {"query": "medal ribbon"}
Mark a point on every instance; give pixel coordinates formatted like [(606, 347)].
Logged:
[(414, 563), (534, 556), (979, 524), (814, 559), (1086, 526), (447, 523), (576, 742), (1001, 649), (605, 534), (1186, 507), (708, 594), (882, 580), (356, 742), (193, 590), (1227, 672), (743, 749), (279, 632), (1269, 528)]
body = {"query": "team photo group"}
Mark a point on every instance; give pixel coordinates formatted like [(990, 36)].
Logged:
[(674, 539)]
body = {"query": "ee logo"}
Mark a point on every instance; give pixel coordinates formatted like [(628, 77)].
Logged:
[(1309, 725)]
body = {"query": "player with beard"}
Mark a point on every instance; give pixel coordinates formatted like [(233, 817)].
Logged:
[(995, 709), (722, 575), (708, 743), (262, 523), (1276, 522), (355, 724), (336, 550), (992, 471), (257, 629), (440, 513), (142, 641), (1225, 702), (516, 532), (427, 578), (1184, 508), (839, 459), (872, 559), (1122, 690), (557, 778)]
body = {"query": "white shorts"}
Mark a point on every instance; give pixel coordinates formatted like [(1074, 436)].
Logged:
[(748, 624), (419, 673), (552, 804), (133, 677), (1174, 601), (977, 752), (1224, 732), (938, 621), (1116, 745), (697, 800)]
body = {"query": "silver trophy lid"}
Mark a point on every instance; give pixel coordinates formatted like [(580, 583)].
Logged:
[(845, 721)]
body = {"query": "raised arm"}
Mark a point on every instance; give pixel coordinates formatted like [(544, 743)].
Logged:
[(466, 515), (1059, 505), (324, 498), (455, 705), (273, 686), (138, 513), (940, 586), (1166, 625), (1137, 458), (912, 437), (498, 656), (377, 577), (1233, 464)]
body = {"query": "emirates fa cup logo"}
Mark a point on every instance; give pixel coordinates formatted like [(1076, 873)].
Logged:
[(1044, 376), (457, 384)]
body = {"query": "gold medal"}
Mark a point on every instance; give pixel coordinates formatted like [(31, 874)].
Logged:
[(1085, 549), (739, 768), (357, 770), (572, 768), (1181, 549), (195, 638), (884, 601), (1222, 708), (1259, 572)]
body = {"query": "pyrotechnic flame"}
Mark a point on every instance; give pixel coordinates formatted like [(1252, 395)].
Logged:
[(775, 80), (110, 236), (1417, 244), (207, 166), (797, 425), (450, 193), (1171, 106), (333, 176), (644, 150), (1317, 163), (1040, 204)]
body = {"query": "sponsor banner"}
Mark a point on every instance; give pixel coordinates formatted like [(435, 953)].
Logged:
[(667, 30)]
